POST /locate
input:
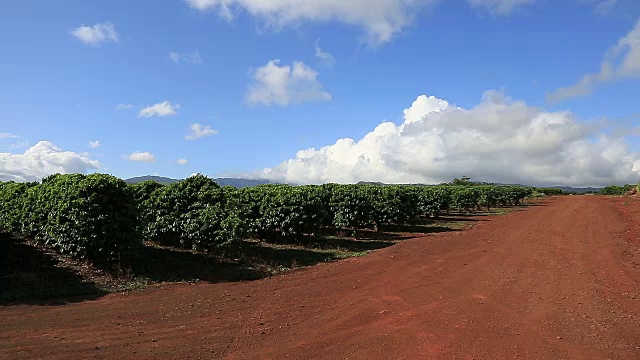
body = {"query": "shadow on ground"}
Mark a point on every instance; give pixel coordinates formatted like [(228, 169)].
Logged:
[(32, 275), (166, 264)]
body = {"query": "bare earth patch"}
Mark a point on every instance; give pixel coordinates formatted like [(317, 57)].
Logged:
[(559, 280)]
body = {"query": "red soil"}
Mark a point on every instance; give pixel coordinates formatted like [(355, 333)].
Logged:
[(556, 281)]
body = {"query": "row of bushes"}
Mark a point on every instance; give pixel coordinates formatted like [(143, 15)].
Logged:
[(198, 214), (617, 190), (101, 218), (86, 216)]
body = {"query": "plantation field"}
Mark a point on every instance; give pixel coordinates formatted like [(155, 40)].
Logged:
[(557, 279), (89, 234)]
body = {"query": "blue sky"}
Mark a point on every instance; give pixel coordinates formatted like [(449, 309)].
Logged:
[(75, 72)]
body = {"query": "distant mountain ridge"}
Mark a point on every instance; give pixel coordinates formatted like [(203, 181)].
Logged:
[(237, 182), (160, 179)]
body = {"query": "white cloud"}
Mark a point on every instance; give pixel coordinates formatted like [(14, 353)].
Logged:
[(124, 106), (94, 144), (199, 131), (499, 140), (97, 34), (142, 157), (192, 57), (162, 109), (323, 55), (285, 85), (500, 7), (621, 61), (381, 20), (182, 161), (41, 160), (8, 136)]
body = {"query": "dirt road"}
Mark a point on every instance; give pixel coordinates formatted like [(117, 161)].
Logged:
[(556, 281)]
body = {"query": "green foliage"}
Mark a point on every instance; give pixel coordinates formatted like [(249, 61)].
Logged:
[(464, 197), (86, 216), (616, 190), (352, 205), (465, 181), (283, 211), (99, 217), (192, 214), (142, 193), (12, 196), (432, 200)]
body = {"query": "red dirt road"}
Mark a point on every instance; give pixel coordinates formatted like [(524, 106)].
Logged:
[(557, 281)]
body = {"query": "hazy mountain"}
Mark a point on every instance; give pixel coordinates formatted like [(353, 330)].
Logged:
[(577, 190), (160, 179)]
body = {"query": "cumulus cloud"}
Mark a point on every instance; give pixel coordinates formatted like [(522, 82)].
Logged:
[(41, 160), (182, 161), (94, 144), (162, 109), (198, 131), (326, 57), (191, 58), (500, 7), (142, 157), (285, 85), (97, 34), (620, 62), (499, 140), (380, 20)]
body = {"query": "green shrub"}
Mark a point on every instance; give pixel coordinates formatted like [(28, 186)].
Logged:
[(192, 214), (550, 191), (12, 197), (616, 190), (142, 193), (86, 216), (353, 206)]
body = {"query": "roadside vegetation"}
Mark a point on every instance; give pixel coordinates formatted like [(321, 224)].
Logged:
[(111, 236), (619, 189)]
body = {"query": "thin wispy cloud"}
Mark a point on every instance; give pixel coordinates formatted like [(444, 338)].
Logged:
[(500, 7), (191, 57), (605, 7), (198, 131), (621, 61), (325, 56), (97, 34), (380, 20)]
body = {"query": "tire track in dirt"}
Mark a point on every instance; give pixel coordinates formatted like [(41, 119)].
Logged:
[(556, 281)]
